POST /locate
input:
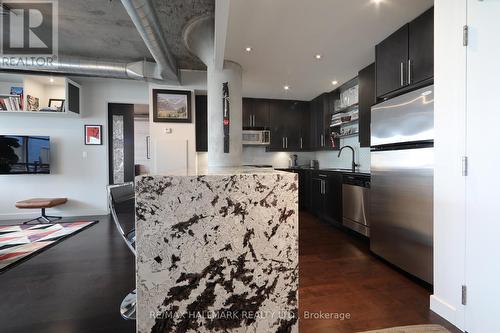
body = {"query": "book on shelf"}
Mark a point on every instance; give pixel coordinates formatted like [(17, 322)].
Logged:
[(10, 103)]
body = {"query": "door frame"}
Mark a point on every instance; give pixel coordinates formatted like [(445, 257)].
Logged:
[(129, 147)]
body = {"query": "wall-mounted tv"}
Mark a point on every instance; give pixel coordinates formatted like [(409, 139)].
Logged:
[(20, 154)]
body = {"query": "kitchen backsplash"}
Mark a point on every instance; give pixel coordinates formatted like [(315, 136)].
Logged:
[(259, 156), (329, 159), (255, 155)]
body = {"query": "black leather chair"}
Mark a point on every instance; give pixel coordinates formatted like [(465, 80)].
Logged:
[(121, 199)]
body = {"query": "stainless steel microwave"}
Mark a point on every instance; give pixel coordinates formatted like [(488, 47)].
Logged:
[(253, 137)]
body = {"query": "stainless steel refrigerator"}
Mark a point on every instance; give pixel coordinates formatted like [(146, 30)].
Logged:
[(402, 158)]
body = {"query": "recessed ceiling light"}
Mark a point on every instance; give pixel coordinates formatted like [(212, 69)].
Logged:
[(377, 1), (51, 80), (248, 49), (317, 56), (286, 87), (334, 82)]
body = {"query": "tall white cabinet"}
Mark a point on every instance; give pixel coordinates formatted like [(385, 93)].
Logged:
[(466, 193)]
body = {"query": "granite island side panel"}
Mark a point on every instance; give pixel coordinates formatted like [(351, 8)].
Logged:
[(217, 253)]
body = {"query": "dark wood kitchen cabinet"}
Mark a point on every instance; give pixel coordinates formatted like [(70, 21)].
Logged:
[(405, 59), (333, 205), (201, 123), (321, 112), (255, 113), (421, 48), (326, 196), (287, 125), (277, 114), (366, 79), (391, 57)]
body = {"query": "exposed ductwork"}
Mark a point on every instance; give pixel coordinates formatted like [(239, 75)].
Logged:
[(144, 18), (139, 70), (198, 36), (143, 15)]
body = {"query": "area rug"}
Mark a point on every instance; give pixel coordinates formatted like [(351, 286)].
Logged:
[(413, 329), (21, 242)]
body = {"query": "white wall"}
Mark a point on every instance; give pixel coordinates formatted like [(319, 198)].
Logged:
[(449, 184), (82, 180)]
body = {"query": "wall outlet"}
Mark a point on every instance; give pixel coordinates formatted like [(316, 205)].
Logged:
[(168, 130), (84, 154)]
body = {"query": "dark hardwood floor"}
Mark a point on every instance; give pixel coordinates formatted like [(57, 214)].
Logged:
[(77, 285), (338, 274)]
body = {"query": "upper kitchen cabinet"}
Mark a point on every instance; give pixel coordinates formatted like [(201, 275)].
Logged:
[(421, 48), (255, 113), (405, 59), (391, 57), (277, 115), (366, 79), (287, 125), (321, 110)]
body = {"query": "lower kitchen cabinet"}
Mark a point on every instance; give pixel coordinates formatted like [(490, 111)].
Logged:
[(320, 192), (326, 196), (333, 209)]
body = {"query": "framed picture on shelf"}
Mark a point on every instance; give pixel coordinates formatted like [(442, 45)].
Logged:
[(171, 106), (33, 103), (93, 135), (56, 103)]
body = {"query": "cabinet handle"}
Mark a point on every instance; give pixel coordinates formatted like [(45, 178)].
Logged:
[(409, 71), (321, 141), (253, 120), (283, 142), (148, 156), (250, 120), (286, 142), (301, 145), (402, 72)]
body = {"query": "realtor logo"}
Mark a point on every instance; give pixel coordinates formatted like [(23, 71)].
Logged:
[(29, 27)]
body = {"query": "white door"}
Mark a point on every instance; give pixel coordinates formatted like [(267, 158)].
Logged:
[(483, 182)]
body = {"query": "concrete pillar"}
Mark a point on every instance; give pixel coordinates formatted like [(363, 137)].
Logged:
[(198, 37), (232, 74)]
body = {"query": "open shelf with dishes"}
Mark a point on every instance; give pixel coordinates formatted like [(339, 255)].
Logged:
[(38, 94), (344, 121)]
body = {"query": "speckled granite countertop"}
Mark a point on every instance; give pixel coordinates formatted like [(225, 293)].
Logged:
[(217, 252)]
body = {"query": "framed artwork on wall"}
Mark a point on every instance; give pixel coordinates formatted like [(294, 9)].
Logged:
[(171, 106), (93, 135), (56, 103)]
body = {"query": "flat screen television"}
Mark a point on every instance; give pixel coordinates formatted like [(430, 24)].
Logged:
[(20, 154)]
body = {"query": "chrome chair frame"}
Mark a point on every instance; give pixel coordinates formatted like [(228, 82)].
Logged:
[(128, 305)]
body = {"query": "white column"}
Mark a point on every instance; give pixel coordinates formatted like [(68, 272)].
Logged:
[(231, 73)]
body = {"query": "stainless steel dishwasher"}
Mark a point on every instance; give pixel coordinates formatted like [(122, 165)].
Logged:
[(356, 202)]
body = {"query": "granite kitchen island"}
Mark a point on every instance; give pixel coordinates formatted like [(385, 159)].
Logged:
[(217, 252)]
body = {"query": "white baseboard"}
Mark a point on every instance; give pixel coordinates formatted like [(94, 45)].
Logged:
[(66, 213), (447, 311)]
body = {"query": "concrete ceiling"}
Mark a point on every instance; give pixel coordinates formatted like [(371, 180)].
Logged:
[(99, 29), (103, 29), (173, 16), (285, 36)]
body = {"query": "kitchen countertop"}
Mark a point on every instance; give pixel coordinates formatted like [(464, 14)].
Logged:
[(359, 172), (217, 245)]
